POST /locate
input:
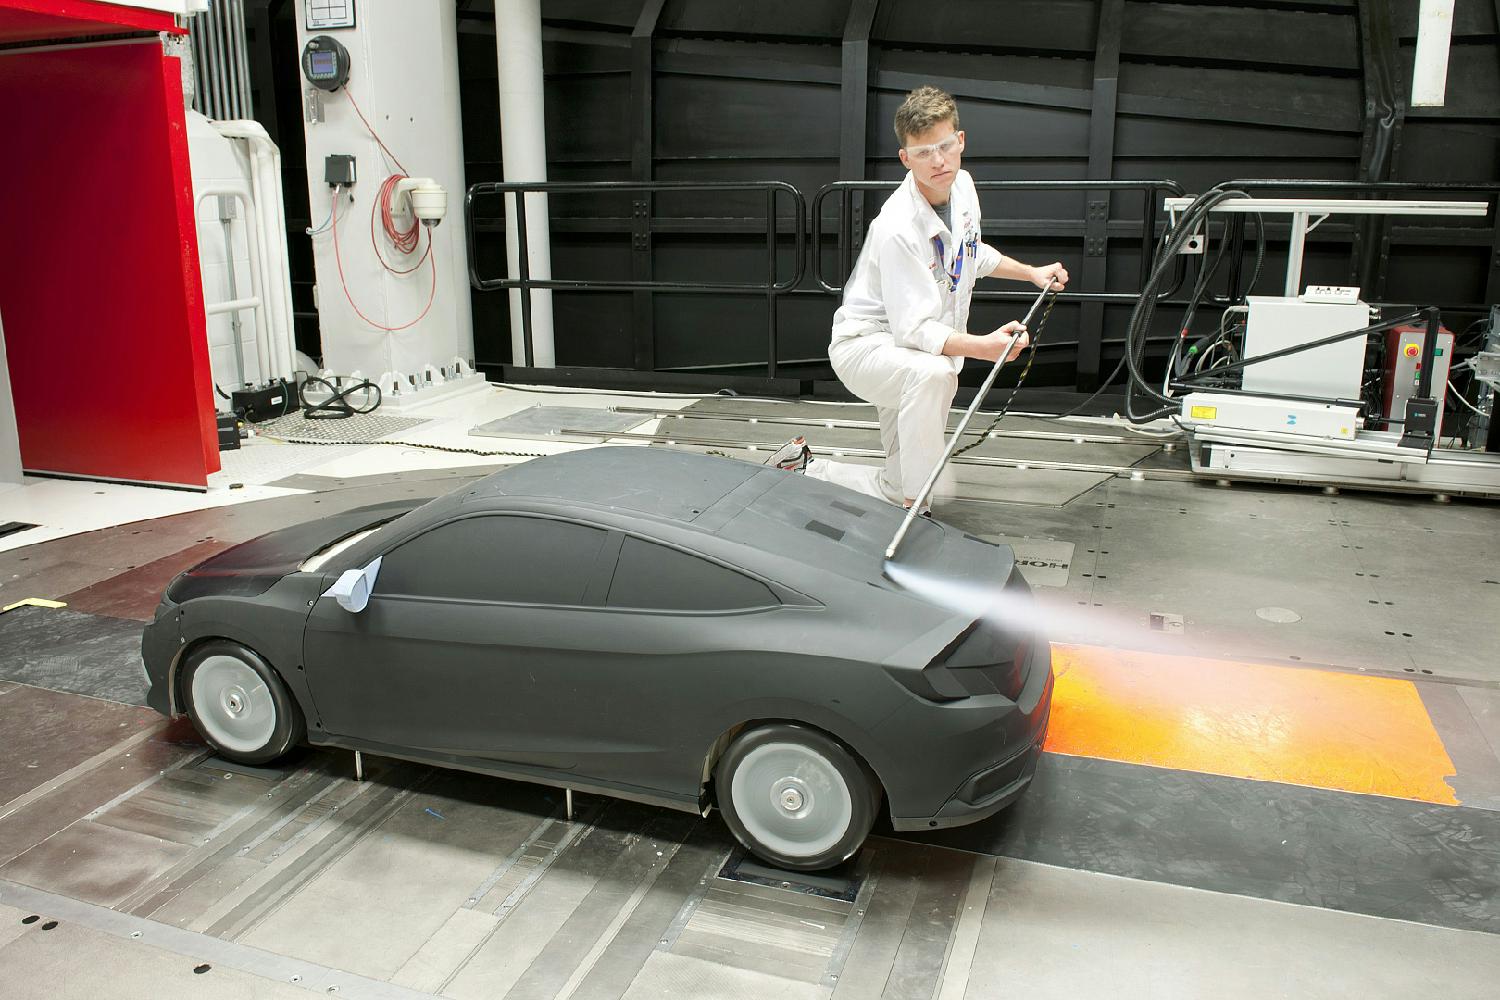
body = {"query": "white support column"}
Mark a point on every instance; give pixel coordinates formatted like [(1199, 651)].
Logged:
[(404, 76), (1295, 248), (523, 142), (1429, 73)]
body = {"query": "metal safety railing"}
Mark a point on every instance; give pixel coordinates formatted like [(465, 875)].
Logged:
[(771, 288), (842, 202), (1152, 192)]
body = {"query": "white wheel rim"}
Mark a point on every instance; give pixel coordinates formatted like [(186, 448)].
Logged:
[(233, 704), (792, 800)]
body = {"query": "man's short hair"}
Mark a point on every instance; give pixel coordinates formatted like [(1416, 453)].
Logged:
[(922, 109)]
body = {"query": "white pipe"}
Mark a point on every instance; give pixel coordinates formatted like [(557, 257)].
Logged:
[(1294, 251), (232, 305), (523, 144), (241, 193), (270, 219), (271, 210), (1338, 206)]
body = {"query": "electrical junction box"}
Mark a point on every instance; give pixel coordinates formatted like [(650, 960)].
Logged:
[(1403, 370), (1335, 371), (338, 169), (264, 402), (229, 431), (1205, 410)]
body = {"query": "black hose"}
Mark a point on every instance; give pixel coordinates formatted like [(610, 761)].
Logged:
[(1205, 276), (1141, 317), (1138, 328)]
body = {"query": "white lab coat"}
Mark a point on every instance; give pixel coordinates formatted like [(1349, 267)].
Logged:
[(908, 293)]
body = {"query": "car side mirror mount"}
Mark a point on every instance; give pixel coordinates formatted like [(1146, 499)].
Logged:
[(353, 587)]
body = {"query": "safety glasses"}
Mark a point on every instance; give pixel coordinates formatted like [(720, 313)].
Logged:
[(937, 150)]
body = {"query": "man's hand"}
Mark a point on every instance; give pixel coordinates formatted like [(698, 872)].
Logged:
[(1010, 340), (1052, 275)]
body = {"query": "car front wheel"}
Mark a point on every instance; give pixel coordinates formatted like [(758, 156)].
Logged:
[(795, 797), (238, 703)]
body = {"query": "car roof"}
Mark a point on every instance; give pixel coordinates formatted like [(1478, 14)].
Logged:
[(657, 481), (785, 516)]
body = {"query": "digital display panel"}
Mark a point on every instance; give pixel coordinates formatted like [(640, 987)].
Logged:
[(323, 63)]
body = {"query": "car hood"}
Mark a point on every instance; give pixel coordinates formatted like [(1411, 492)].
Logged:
[(252, 567)]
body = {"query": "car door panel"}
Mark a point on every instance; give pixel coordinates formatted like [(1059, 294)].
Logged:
[(449, 672)]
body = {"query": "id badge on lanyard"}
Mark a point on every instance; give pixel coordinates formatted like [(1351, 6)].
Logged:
[(951, 276)]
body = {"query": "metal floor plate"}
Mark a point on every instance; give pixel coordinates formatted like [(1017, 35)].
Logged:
[(543, 423), (358, 428), (1107, 878), (986, 484), (826, 440)]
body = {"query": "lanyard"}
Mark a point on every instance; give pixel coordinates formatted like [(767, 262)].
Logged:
[(966, 249)]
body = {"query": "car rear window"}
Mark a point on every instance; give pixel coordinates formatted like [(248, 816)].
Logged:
[(661, 578)]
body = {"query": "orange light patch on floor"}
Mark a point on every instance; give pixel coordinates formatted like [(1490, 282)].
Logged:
[(1248, 720)]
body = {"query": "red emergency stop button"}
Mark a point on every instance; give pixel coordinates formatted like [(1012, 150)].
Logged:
[(1411, 350)]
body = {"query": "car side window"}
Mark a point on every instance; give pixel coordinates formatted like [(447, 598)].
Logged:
[(656, 577), (527, 560)]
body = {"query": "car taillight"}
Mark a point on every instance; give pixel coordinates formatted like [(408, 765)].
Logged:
[(983, 659), (930, 683)]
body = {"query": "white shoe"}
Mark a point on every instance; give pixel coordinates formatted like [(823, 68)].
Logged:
[(792, 456)]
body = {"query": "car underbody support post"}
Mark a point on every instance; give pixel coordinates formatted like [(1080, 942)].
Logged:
[(359, 766), (568, 803)]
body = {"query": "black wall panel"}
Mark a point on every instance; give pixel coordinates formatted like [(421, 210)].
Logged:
[(1194, 33), (1437, 151), (1247, 95), (959, 25), (756, 18), (592, 329), (1470, 18), (620, 14), (700, 117), (1207, 91), (1473, 82), (588, 119), (1140, 137)]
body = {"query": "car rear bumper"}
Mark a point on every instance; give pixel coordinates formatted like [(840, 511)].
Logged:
[(977, 795)]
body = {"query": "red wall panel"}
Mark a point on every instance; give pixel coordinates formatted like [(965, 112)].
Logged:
[(100, 289)]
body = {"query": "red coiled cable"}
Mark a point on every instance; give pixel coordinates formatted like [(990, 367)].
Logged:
[(338, 259), (404, 240)]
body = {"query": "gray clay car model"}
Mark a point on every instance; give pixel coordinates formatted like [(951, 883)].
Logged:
[(674, 628)]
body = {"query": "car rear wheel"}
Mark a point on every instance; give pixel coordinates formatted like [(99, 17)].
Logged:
[(238, 703), (795, 797)]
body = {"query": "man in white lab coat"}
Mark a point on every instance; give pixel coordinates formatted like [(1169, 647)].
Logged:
[(901, 336)]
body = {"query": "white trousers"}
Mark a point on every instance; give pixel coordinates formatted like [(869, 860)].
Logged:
[(912, 392)]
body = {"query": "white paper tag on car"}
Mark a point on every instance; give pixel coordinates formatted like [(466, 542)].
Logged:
[(352, 588)]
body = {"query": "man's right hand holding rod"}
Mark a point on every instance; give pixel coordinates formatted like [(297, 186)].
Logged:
[(1012, 338)]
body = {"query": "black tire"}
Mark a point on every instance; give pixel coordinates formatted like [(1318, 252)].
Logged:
[(787, 807), (250, 718)]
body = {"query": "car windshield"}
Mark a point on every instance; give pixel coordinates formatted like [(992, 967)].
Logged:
[(320, 558)]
